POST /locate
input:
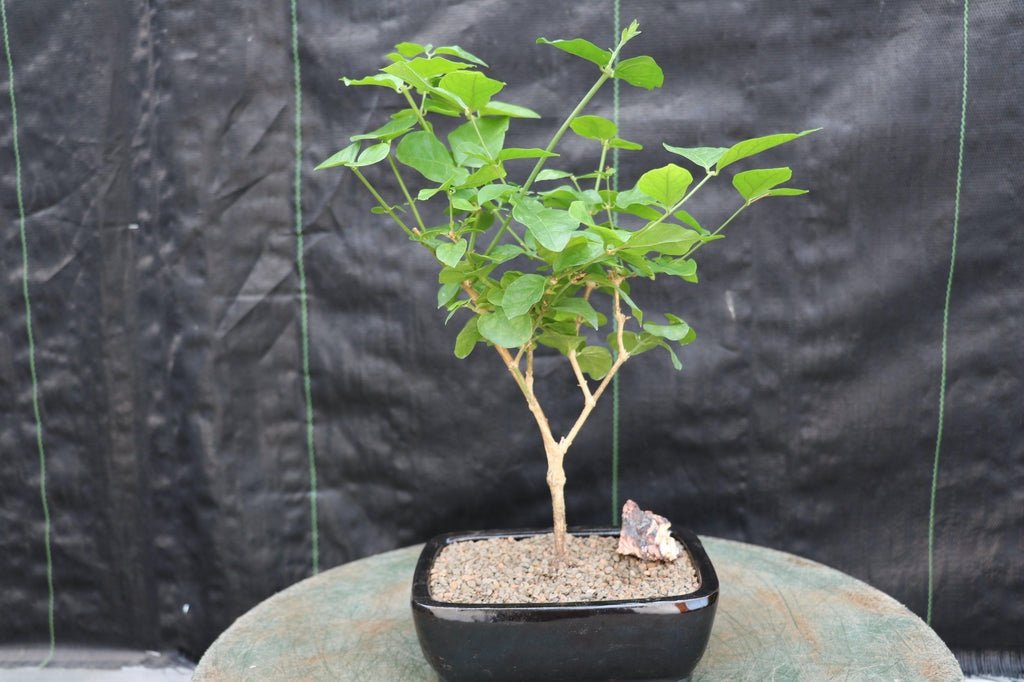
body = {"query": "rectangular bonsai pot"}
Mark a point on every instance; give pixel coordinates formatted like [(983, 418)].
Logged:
[(660, 638)]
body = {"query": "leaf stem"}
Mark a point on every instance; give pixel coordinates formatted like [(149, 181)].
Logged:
[(383, 204), (720, 228), (600, 165), (405, 191), (419, 114)]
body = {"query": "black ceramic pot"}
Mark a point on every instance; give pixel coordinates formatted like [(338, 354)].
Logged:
[(661, 638)]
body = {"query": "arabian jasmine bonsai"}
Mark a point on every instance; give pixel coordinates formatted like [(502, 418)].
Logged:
[(524, 262), (534, 259)]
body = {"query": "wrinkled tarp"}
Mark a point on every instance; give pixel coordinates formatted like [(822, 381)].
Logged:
[(157, 148)]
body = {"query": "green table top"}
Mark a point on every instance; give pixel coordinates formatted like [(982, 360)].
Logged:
[(780, 617)]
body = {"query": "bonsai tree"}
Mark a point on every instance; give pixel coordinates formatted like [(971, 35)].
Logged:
[(530, 267)]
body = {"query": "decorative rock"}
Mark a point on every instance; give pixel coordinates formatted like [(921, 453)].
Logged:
[(646, 535)]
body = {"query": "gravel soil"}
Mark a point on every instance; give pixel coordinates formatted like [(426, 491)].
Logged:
[(510, 571)]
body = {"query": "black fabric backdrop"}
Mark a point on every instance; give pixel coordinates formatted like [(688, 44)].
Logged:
[(158, 146)]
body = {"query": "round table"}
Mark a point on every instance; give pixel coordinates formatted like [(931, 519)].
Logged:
[(780, 617)]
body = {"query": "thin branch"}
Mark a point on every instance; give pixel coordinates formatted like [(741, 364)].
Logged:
[(383, 204), (580, 379), (719, 229), (529, 366), (405, 191), (600, 165)]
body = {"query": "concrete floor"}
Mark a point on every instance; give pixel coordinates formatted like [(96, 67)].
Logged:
[(70, 664), (74, 664)]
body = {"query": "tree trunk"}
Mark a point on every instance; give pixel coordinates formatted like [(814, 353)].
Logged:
[(556, 484)]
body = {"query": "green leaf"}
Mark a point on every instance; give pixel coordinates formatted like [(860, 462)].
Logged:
[(462, 273), (676, 330), (579, 211), (521, 153), (580, 308), (442, 106), (611, 237), (492, 192), (630, 32), (689, 338), (756, 145), (666, 185), (581, 48), (472, 87), (427, 154), (672, 354), (467, 338), (408, 50), (580, 250), (635, 343), (420, 71), (705, 157), (684, 268), (551, 227), (496, 108), (345, 157), (551, 174), (632, 197), (521, 294), (451, 254), (619, 143), (466, 145), (482, 177), (455, 307), (505, 252), (456, 51), (639, 264), (563, 343), (645, 212), (666, 238), (382, 79), (505, 332), (786, 192), (594, 127), (446, 293), (641, 72), (687, 219), (754, 184), (399, 123), (428, 192), (595, 361), (373, 154)]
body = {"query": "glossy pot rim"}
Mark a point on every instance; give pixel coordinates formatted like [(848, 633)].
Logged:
[(704, 596)]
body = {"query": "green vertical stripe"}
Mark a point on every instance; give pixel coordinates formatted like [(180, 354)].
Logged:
[(615, 379), (945, 324), (31, 339), (303, 305)]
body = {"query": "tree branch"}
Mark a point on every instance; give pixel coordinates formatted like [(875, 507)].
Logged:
[(566, 442), (529, 366), (580, 379)]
